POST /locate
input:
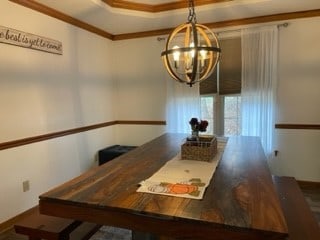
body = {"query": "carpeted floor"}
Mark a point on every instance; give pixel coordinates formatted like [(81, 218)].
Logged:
[(313, 199), (105, 233), (110, 233)]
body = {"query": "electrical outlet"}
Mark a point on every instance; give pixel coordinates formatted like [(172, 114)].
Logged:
[(26, 186)]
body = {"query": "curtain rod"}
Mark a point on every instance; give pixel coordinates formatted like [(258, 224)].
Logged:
[(285, 24)]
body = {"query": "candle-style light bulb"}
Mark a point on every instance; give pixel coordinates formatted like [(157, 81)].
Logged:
[(192, 51), (203, 56), (191, 55), (176, 56)]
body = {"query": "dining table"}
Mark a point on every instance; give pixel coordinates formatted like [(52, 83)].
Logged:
[(240, 201)]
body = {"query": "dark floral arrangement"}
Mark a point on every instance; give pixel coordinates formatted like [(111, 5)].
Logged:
[(198, 126)]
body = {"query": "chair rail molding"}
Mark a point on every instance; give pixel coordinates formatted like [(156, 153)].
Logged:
[(297, 126), (44, 137)]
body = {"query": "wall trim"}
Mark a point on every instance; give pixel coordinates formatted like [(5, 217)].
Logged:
[(44, 137), (139, 122), (236, 22), (308, 184), (154, 8), (229, 23), (297, 126), (9, 223), (63, 17)]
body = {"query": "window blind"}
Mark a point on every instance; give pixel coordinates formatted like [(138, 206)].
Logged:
[(229, 70)]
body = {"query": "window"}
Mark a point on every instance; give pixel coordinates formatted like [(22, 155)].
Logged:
[(223, 114), (220, 93), (232, 117), (207, 111)]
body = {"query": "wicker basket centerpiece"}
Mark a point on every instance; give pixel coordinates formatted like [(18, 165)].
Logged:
[(204, 148), (200, 148)]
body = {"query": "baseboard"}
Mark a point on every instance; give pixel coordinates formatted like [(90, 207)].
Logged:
[(9, 223), (309, 185)]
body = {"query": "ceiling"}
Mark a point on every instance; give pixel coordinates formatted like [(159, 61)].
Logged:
[(131, 16)]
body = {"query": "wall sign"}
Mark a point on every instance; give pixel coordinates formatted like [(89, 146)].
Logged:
[(28, 40)]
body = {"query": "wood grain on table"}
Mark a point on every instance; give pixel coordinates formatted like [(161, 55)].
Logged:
[(240, 202)]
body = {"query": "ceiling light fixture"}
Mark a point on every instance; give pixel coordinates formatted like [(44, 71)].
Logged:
[(192, 51)]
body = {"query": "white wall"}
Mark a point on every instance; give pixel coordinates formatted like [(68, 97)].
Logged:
[(299, 154), (299, 100), (42, 93), (141, 88), (45, 164)]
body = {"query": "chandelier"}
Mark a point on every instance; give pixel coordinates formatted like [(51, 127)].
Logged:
[(192, 51)]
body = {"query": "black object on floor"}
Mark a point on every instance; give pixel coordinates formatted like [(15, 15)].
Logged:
[(112, 152)]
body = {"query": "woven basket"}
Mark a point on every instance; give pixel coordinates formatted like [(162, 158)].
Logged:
[(202, 150)]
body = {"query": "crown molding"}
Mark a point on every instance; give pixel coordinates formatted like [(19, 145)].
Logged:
[(61, 16), (154, 8), (230, 23)]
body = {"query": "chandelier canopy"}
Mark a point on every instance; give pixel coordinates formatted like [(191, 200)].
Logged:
[(192, 51)]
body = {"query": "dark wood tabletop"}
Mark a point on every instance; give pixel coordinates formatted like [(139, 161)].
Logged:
[(240, 202)]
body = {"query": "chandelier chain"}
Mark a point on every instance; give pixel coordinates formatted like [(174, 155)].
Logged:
[(192, 14)]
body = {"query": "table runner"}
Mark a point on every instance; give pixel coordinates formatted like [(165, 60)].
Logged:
[(183, 178)]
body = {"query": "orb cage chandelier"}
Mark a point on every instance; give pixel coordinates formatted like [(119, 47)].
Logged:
[(192, 51)]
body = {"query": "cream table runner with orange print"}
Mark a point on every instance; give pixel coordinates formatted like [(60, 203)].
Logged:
[(183, 178)]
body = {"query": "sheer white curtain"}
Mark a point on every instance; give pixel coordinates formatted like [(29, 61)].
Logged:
[(183, 103), (259, 81)]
